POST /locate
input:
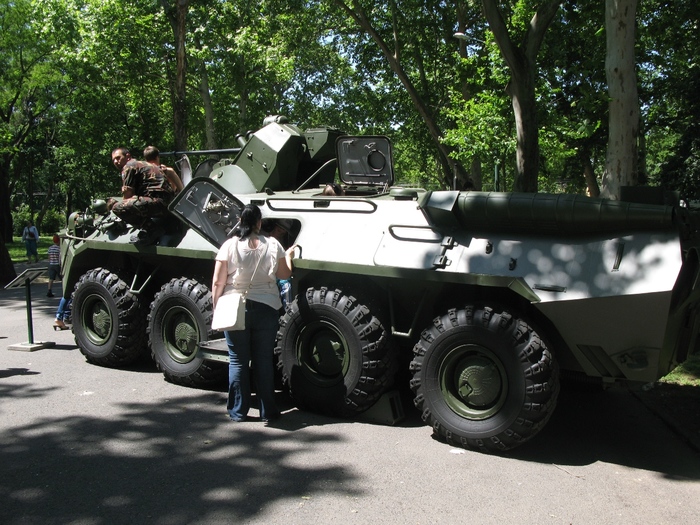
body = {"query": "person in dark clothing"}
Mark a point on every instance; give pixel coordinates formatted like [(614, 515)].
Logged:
[(30, 236), (146, 193)]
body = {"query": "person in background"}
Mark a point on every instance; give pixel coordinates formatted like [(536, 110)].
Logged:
[(251, 261), (30, 236), (63, 315), (281, 230), (54, 263), (152, 155), (333, 190), (146, 193)]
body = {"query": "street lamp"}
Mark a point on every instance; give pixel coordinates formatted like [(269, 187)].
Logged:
[(466, 38)]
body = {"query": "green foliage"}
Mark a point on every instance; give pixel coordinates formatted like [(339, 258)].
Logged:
[(670, 77), (80, 77), (53, 221)]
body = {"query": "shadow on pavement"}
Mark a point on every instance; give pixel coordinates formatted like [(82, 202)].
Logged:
[(175, 462), (591, 424)]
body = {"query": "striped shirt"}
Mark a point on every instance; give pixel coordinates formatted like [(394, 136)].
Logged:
[(54, 255)]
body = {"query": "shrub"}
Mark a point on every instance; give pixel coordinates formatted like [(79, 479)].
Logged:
[(52, 222)]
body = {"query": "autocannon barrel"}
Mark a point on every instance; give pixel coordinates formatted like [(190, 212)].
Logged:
[(543, 214)]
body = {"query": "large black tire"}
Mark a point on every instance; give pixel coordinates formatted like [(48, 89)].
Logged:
[(484, 379), (334, 355), (179, 319), (108, 320)]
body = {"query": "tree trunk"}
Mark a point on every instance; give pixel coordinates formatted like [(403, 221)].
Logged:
[(209, 128), (5, 214), (45, 205), (589, 175), (177, 16), (522, 62), (527, 157), (476, 173), (7, 269), (621, 160)]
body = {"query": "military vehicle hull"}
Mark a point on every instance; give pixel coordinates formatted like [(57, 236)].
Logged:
[(479, 301)]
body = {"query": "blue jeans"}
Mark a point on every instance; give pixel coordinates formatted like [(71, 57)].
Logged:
[(30, 246), (63, 312), (256, 343)]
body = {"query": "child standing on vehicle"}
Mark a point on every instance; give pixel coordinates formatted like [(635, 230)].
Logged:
[(54, 263)]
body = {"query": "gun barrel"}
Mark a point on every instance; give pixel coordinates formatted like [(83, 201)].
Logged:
[(544, 214), (201, 152)]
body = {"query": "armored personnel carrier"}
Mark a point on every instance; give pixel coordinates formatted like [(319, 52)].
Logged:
[(480, 301)]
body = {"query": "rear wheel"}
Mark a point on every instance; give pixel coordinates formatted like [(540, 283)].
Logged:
[(108, 320), (334, 354), (180, 318), (484, 379)]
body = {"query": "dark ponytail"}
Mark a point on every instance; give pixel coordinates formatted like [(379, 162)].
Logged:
[(250, 216)]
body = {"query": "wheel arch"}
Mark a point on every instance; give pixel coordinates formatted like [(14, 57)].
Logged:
[(408, 305), (454, 295)]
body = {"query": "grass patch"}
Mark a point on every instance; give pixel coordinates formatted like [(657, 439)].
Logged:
[(686, 374), (18, 253)]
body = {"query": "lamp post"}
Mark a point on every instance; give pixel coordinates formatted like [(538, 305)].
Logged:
[(466, 38)]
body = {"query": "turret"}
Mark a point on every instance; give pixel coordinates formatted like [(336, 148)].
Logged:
[(278, 157)]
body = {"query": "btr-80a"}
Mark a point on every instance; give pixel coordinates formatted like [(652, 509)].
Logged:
[(480, 300)]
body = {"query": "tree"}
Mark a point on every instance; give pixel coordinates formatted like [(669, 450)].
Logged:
[(177, 15), (669, 80), (621, 162), (572, 89), (398, 42), (34, 36), (521, 60)]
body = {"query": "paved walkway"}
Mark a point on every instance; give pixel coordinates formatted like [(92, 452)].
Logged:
[(677, 406)]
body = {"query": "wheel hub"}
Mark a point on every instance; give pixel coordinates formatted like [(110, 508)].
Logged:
[(185, 337), (101, 321), (323, 352), (479, 384), (180, 334), (473, 381), (327, 354), (96, 319)]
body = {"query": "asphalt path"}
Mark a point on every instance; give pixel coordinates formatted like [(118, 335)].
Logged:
[(82, 444)]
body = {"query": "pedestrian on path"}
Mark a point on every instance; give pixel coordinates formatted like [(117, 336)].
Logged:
[(30, 236)]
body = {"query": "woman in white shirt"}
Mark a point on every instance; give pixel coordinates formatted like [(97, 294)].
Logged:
[(236, 264)]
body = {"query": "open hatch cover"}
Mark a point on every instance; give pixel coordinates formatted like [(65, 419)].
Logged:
[(365, 161)]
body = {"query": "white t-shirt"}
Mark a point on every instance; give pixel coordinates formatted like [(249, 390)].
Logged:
[(242, 259)]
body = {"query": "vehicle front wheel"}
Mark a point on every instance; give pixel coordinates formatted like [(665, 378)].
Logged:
[(484, 379), (108, 320), (180, 318), (334, 355)]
